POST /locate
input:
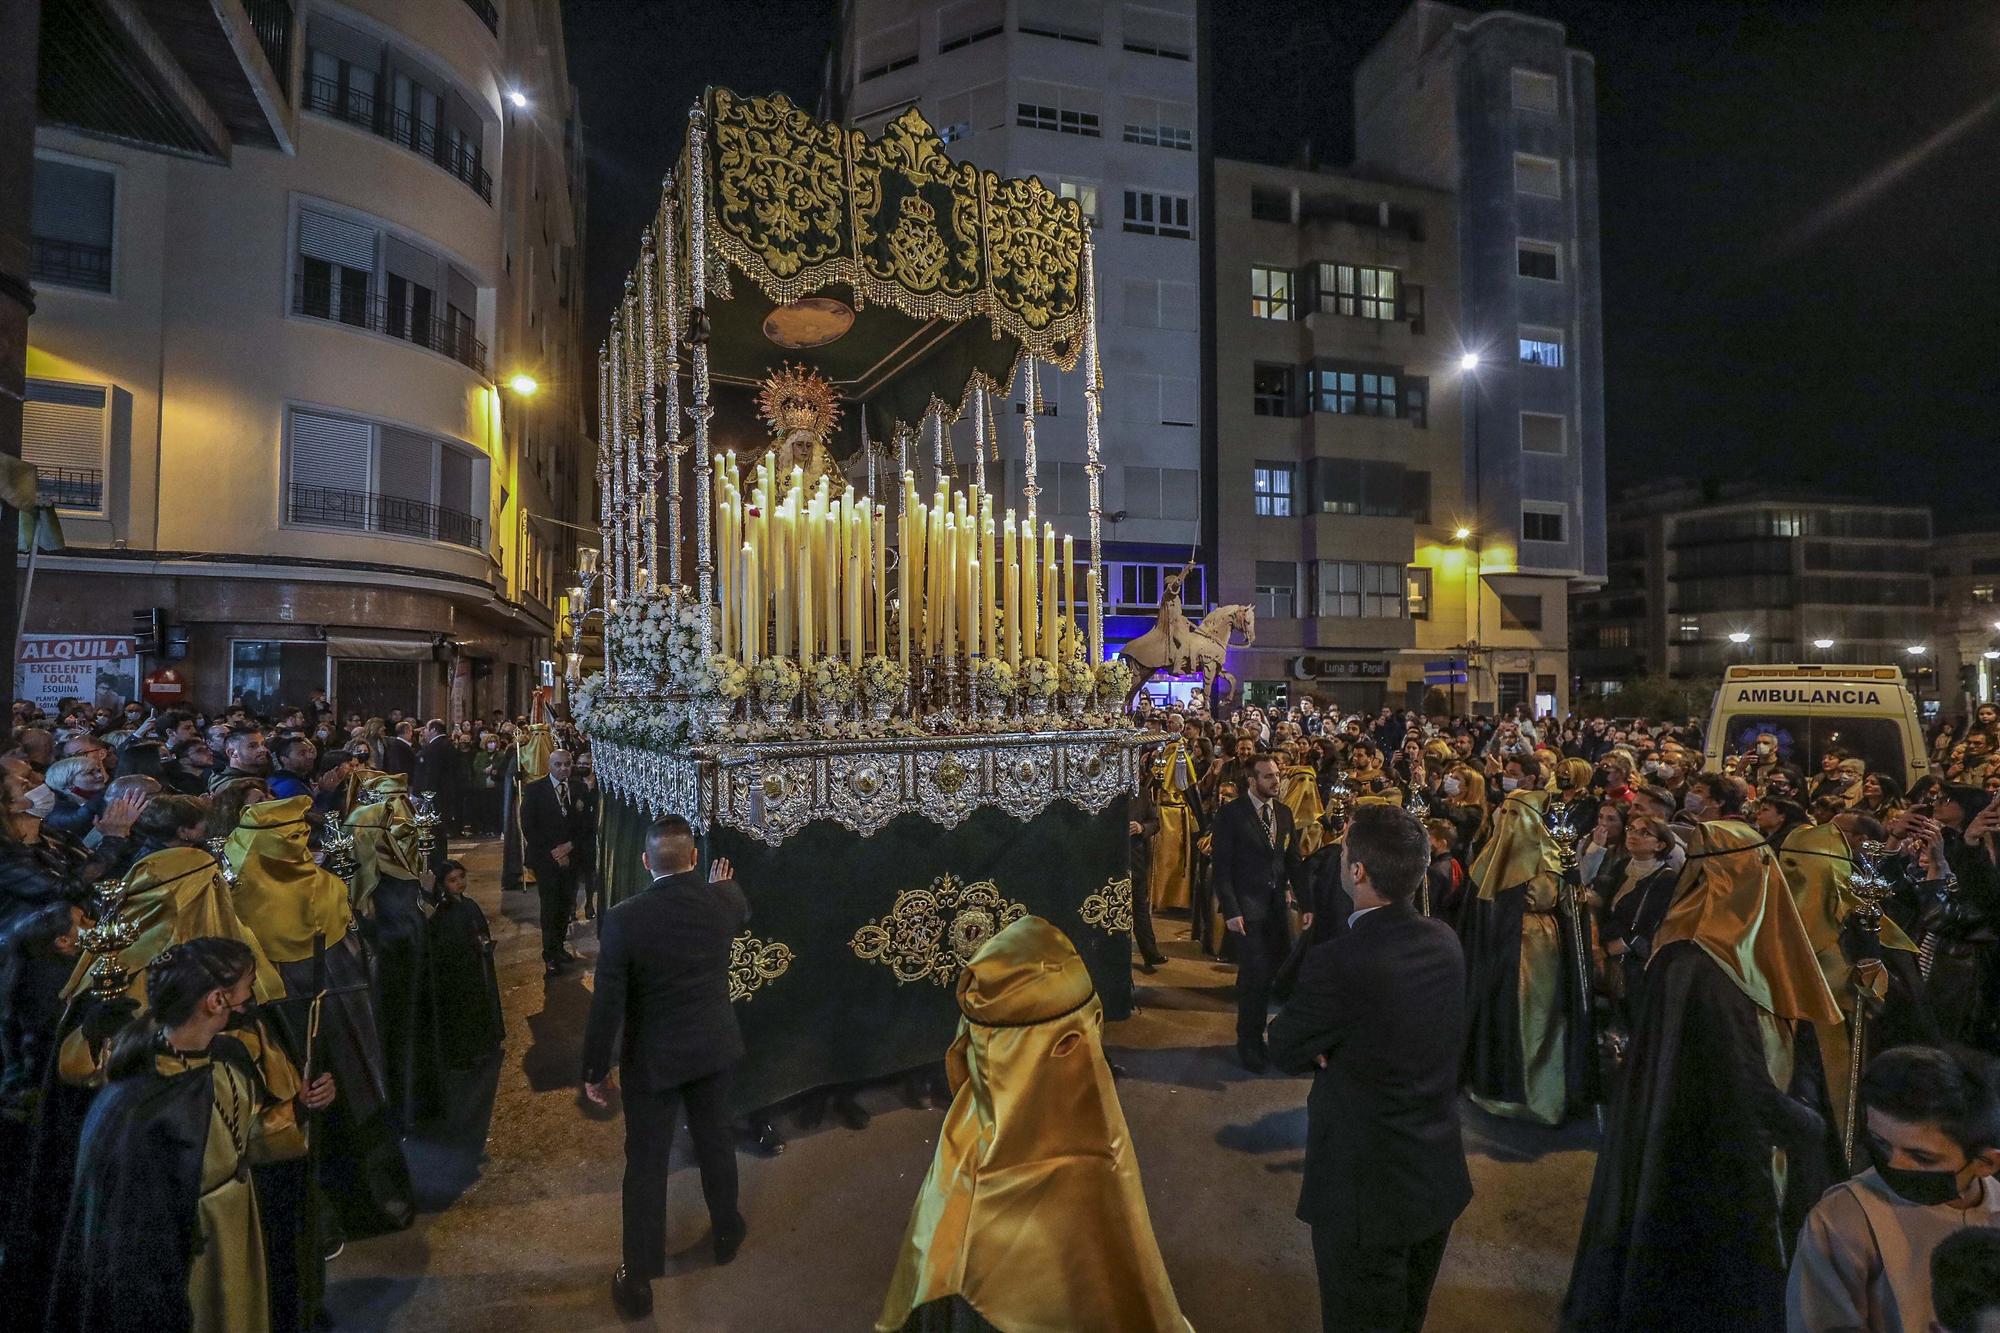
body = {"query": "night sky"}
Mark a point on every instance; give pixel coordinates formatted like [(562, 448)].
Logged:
[(1801, 232)]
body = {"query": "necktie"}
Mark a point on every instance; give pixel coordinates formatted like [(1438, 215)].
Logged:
[(562, 797), (1270, 834)]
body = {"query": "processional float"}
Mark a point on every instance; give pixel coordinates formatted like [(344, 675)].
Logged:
[(868, 681)]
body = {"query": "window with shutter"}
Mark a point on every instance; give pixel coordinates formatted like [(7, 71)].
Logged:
[(1180, 493), (969, 21), (329, 470), (1059, 18), (1155, 32), (1537, 175), (63, 435), (72, 223), (1142, 492), (1177, 400)]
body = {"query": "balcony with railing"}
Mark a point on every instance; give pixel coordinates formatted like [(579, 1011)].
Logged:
[(356, 308), (371, 511), (487, 14), (271, 20), (70, 487), (370, 113), (71, 264)]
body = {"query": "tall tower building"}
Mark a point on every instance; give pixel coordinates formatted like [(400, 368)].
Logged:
[(1498, 110), (1098, 99)]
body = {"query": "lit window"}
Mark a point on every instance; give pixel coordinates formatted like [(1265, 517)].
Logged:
[(1542, 347), (1418, 577), (1366, 293), (1541, 176), (1689, 630), (1271, 293), (1272, 484), (1982, 593), (1086, 199)]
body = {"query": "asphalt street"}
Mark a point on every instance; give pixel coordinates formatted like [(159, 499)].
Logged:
[(524, 1235)]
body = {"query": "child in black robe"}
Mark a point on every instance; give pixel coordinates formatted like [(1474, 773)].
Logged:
[(467, 1004)]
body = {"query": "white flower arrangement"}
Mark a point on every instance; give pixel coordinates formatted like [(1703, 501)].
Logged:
[(993, 676), (1038, 678), (639, 722), (1114, 680), (1078, 680), (776, 679), (651, 642), (584, 699), (884, 678), (723, 677), (832, 681)]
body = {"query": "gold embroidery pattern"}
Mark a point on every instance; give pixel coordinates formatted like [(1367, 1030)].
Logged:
[(933, 932), (753, 963), (778, 175), (1110, 908), (802, 205)]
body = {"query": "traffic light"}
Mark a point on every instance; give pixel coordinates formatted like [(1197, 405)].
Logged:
[(146, 630)]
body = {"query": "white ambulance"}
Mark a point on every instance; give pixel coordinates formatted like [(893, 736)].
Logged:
[(1863, 711)]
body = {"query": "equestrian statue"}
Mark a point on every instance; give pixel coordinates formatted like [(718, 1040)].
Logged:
[(1178, 646)]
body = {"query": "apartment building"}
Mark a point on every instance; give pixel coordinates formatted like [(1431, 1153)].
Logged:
[(1099, 99), (316, 393)]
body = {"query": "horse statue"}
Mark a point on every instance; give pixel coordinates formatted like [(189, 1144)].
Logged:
[(1177, 645)]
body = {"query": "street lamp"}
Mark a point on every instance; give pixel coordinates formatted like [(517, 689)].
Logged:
[(1739, 637), (524, 385), (518, 98), (1917, 649), (1822, 644), (1469, 361), (1462, 534)]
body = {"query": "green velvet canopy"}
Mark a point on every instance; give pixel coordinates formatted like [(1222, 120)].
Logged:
[(952, 273)]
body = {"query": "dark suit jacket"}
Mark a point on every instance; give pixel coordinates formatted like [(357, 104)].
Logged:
[(544, 826), (583, 821), (1251, 873), (663, 976), (437, 770), (1385, 1003)]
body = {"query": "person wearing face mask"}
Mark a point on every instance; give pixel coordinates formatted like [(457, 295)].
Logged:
[(77, 787), (1933, 1133), (195, 1101)]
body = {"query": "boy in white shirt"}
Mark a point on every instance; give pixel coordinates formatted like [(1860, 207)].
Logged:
[(1933, 1129)]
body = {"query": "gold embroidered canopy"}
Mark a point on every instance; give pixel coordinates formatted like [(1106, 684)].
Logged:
[(799, 205)]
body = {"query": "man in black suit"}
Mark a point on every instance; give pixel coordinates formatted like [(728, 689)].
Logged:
[(436, 765), (548, 841), (1256, 863), (663, 977), (583, 861), (1379, 1011)]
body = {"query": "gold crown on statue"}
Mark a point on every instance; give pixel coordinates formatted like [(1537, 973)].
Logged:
[(799, 398)]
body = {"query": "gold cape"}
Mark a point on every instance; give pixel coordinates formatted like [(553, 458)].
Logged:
[(1518, 846), (1520, 852), (281, 894), (534, 746), (173, 895), (1298, 787), (1732, 900), (1170, 881), (1819, 869), (385, 842), (1033, 1212)]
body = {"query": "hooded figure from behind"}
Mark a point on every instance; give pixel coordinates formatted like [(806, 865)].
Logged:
[(1032, 1219)]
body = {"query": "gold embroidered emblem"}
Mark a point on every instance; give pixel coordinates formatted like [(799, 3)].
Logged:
[(1110, 908), (753, 963), (933, 932)]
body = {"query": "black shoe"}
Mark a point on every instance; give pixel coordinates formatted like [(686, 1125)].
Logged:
[(850, 1112), (1253, 1056), (1148, 966), (633, 1300), (767, 1138), (728, 1240), (1157, 960)]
